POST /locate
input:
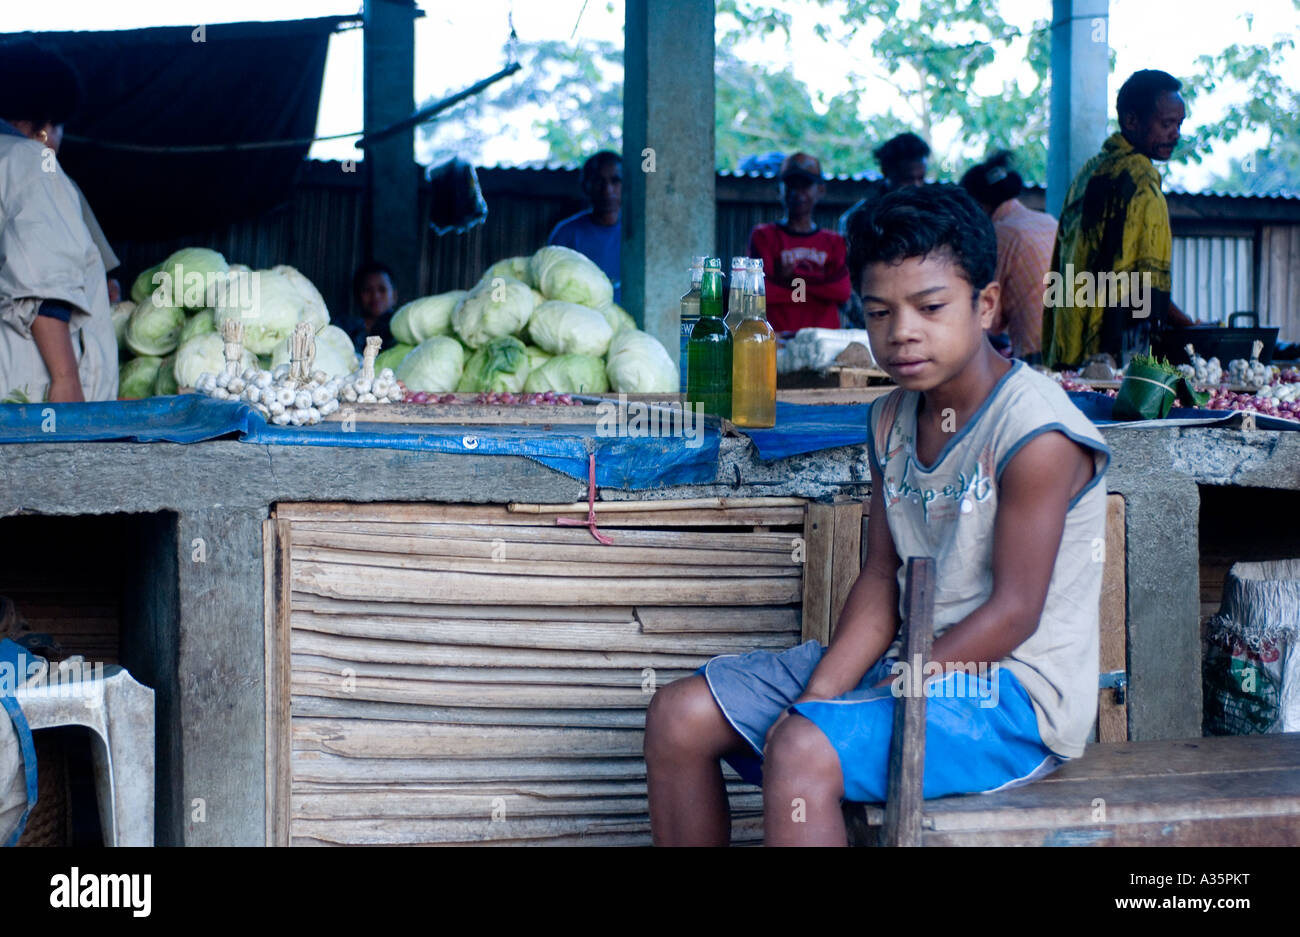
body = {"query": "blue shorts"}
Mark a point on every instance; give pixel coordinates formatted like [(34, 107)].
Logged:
[(979, 737)]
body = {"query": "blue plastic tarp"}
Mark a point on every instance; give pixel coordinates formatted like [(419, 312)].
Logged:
[(802, 428), (620, 461)]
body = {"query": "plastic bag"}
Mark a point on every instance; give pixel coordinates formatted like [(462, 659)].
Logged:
[(1251, 672)]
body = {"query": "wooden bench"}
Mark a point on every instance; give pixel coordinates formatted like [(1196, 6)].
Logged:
[(1222, 791)]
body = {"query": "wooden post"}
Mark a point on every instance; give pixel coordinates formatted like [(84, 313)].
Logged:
[(392, 222), (819, 538), (902, 825), (1112, 714), (279, 751)]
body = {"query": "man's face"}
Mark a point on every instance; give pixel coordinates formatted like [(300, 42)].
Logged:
[(909, 172), (800, 194), (604, 188), (377, 295), (1157, 135), (924, 327)]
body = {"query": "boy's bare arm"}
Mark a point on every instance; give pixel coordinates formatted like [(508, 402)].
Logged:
[(870, 617), (1033, 498)]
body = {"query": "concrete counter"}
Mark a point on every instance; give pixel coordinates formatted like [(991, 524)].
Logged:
[(198, 640)]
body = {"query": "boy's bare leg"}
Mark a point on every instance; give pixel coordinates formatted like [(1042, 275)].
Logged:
[(686, 735), (803, 785)]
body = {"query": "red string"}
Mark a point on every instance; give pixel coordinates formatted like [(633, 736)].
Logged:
[(590, 522)]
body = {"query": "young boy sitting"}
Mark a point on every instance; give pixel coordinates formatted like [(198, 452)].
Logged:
[(977, 461)]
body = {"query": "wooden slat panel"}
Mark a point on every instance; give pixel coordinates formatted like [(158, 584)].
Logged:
[(324, 605), (409, 716), (1218, 832), (365, 738), (695, 619), (345, 581), (536, 634), (523, 548), (560, 676), (353, 708), (504, 564), (819, 537), (627, 539), (445, 655), (846, 552), (485, 514)]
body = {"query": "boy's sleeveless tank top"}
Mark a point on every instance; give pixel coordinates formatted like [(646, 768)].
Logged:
[(947, 511)]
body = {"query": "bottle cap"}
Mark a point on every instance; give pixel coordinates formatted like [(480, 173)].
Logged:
[(739, 263), (699, 261), (713, 263)]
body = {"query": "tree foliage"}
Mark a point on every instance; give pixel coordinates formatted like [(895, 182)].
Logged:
[(934, 54)]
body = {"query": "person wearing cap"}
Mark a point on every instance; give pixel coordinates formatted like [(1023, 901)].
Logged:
[(805, 267), (1025, 241)]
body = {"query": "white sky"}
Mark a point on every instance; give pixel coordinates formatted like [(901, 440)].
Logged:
[(458, 43)]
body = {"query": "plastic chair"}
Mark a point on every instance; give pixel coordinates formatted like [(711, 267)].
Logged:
[(120, 714)]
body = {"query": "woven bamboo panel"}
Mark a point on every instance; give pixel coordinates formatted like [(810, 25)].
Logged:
[(465, 675)]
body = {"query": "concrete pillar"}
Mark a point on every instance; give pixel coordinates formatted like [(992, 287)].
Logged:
[(392, 219), (1080, 100), (668, 176)]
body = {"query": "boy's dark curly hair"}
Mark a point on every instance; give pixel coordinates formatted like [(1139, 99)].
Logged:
[(37, 84), (918, 221)]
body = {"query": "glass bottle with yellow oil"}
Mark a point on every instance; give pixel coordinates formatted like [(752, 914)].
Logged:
[(753, 381)]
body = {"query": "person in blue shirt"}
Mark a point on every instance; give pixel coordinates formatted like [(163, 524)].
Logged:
[(596, 232)]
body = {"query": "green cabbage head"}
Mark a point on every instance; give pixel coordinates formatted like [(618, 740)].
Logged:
[(536, 357), (500, 365), (154, 330), (564, 274), (190, 269), (202, 322), (205, 353), (568, 329), (617, 317), (425, 317), (165, 385), (493, 309), (268, 305), (569, 374), (313, 304), (433, 365), (144, 284), (137, 377), (514, 267), (392, 357), (335, 353), (639, 364), (121, 314)]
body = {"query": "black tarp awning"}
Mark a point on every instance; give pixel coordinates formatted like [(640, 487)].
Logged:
[(243, 83)]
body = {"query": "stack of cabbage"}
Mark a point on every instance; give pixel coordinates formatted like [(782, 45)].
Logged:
[(168, 332), (531, 324)]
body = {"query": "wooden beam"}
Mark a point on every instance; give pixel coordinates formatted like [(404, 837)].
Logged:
[(907, 746)]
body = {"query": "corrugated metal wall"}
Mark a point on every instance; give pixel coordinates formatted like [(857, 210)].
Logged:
[(1214, 276), (1279, 279)]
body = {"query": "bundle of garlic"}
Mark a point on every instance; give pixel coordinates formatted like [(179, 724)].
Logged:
[(290, 395), (1200, 370), (228, 384), (1252, 373), (364, 386)]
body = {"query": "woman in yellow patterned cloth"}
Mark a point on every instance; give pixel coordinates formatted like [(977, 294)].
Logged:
[(1108, 289)]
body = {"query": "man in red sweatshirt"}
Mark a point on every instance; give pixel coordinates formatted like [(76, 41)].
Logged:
[(807, 277)]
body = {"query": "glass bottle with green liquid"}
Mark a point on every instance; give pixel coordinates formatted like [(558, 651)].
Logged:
[(753, 384), (709, 350)]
